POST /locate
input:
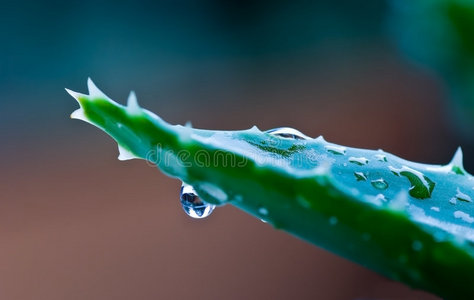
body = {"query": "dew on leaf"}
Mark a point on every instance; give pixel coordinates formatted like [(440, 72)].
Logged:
[(360, 176), (462, 197), (337, 150), (379, 184), (421, 186), (358, 160), (289, 133)]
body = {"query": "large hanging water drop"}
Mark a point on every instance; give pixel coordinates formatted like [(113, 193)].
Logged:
[(289, 133), (192, 205)]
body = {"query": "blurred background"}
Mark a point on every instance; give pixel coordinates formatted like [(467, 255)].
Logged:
[(75, 223)]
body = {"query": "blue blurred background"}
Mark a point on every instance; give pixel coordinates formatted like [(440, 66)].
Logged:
[(77, 224)]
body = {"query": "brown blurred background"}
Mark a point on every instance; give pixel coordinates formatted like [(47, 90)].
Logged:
[(75, 223)]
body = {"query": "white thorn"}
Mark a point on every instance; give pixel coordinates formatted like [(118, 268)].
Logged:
[(79, 114), (457, 158), (125, 154), (75, 95), (188, 124), (132, 104), (321, 139), (94, 90)]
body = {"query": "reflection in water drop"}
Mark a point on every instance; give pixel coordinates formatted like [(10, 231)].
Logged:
[(453, 201), (360, 176), (358, 160), (289, 133), (379, 184), (192, 205), (435, 208), (337, 150)]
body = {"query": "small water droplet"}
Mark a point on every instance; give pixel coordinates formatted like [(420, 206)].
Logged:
[(462, 197), (360, 176), (417, 245), (463, 216), (358, 160), (380, 157), (435, 208), (421, 186), (263, 211), (379, 184), (337, 150), (333, 221), (289, 133), (192, 205)]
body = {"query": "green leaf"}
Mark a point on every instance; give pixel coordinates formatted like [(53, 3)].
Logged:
[(409, 221)]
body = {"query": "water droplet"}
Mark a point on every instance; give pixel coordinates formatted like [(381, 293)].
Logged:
[(463, 216), (360, 176), (462, 197), (192, 205), (358, 160), (421, 186), (417, 245), (337, 150), (333, 221), (435, 208), (289, 133), (263, 211), (380, 157), (379, 184)]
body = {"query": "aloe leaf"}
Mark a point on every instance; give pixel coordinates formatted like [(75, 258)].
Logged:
[(411, 222)]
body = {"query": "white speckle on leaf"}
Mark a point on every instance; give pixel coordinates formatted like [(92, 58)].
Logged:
[(463, 216)]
